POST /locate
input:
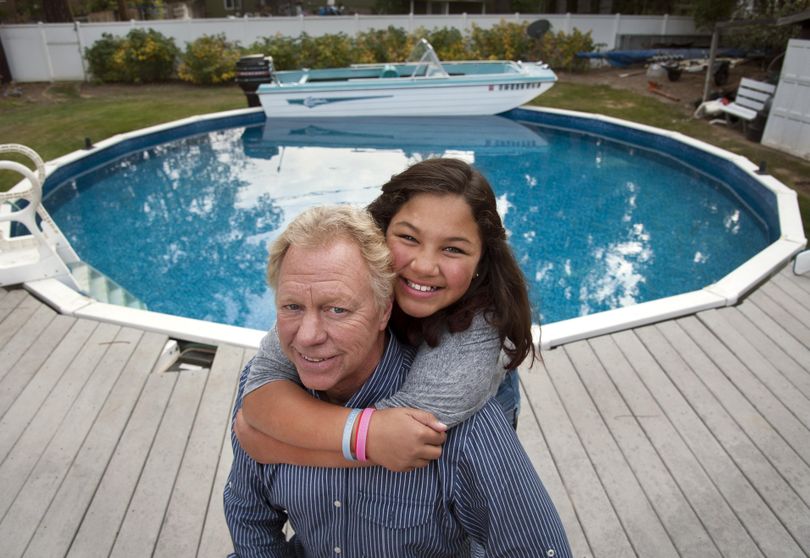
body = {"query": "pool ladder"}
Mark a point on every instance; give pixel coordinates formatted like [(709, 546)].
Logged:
[(44, 253)]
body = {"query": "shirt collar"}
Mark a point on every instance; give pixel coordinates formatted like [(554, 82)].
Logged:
[(388, 375)]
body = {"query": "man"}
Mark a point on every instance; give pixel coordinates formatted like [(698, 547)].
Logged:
[(331, 273)]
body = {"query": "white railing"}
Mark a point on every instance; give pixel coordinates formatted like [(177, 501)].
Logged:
[(53, 51)]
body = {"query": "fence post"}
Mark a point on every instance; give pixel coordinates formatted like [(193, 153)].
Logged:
[(617, 25), (77, 27), (46, 51), (567, 23), (664, 23)]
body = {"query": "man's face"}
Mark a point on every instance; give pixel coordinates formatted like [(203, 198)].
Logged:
[(328, 323)]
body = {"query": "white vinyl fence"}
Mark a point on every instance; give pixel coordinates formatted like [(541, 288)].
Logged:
[(53, 51), (788, 127)]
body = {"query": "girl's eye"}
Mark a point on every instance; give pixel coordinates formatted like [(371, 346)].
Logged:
[(454, 250), (407, 237)]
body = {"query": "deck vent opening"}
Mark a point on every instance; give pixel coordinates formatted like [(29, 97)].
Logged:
[(185, 356)]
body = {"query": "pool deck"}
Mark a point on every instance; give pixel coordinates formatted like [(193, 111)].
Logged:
[(690, 437)]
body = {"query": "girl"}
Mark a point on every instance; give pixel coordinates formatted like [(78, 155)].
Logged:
[(459, 296)]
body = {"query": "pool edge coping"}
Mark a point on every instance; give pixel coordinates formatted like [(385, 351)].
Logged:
[(725, 292)]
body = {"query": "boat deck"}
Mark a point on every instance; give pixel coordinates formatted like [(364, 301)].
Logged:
[(690, 437)]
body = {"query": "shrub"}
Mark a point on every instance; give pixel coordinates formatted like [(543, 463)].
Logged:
[(143, 56), (100, 58), (209, 60), (504, 41), (382, 45), (284, 51), (148, 56), (558, 50), (448, 42), (326, 51)]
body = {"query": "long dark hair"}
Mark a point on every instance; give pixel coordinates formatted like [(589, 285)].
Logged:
[(498, 289)]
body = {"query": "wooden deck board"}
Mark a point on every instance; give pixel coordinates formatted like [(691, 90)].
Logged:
[(139, 531), (686, 438), (680, 439), (59, 524), (193, 489), (671, 507), (722, 448)]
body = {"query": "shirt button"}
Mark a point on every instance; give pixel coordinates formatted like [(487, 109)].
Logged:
[(550, 553), (337, 550), (337, 503)]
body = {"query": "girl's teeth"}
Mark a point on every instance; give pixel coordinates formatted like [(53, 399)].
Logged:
[(422, 288)]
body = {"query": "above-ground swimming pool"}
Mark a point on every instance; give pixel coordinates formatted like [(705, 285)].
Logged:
[(599, 216)]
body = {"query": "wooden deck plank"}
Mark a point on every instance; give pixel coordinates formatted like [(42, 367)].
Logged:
[(27, 366), (759, 336), (21, 339), (603, 530), (57, 528), (48, 377), (765, 305), (640, 521), (185, 516), (100, 524), (751, 486), (141, 526), (22, 458), (10, 301), (654, 361), (18, 316), (801, 281), (780, 402), (533, 440), (604, 378), (215, 541), (36, 494), (797, 294)]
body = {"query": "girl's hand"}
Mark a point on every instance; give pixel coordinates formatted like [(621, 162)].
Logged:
[(402, 439)]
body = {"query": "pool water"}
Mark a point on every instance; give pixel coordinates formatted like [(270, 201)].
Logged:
[(595, 223)]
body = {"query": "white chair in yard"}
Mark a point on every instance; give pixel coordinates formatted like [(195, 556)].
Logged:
[(753, 101)]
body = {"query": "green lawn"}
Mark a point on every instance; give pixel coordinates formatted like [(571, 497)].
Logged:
[(59, 123)]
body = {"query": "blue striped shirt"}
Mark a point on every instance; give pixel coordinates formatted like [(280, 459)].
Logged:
[(482, 489)]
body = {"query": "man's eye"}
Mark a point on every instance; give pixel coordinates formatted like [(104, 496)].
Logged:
[(337, 310), (292, 307)]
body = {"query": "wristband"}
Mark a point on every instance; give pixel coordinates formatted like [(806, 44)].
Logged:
[(362, 432), (347, 434)]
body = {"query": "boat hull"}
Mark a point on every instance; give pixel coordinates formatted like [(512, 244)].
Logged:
[(444, 96)]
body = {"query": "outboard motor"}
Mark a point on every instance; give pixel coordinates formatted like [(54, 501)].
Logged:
[(251, 71)]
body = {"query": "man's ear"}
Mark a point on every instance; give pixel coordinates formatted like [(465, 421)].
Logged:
[(385, 315)]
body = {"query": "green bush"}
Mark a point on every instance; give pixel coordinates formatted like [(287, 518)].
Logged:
[(209, 60), (382, 45), (505, 41), (448, 42), (284, 51), (100, 58), (558, 50), (326, 51), (143, 56)]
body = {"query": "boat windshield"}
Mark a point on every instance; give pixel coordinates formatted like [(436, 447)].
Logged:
[(426, 63)]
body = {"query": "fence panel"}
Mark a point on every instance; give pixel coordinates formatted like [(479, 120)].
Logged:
[(53, 51)]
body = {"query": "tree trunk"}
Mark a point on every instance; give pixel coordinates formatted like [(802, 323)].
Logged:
[(56, 11), (122, 10)]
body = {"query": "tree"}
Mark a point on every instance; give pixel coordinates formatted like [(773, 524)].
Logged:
[(56, 11)]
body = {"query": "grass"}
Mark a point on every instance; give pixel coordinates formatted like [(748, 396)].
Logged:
[(57, 121)]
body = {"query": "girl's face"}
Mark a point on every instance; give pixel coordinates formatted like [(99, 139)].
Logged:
[(436, 247)]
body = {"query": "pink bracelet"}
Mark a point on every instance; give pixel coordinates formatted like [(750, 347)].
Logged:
[(362, 433)]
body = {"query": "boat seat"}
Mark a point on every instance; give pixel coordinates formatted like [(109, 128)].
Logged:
[(389, 71), (753, 98)]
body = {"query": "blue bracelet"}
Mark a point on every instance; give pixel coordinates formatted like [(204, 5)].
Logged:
[(347, 434)]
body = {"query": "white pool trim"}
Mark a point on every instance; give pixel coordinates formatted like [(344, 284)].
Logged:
[(725, 292)]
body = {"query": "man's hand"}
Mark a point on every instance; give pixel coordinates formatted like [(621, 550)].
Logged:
[(402, 439)]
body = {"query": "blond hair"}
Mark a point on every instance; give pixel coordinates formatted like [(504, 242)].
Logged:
[(321, 226)]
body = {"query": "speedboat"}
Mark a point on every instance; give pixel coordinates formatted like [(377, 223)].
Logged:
[(422, 86)]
